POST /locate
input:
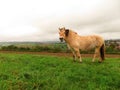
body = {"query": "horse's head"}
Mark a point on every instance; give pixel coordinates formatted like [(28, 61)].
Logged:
[(63, 33)]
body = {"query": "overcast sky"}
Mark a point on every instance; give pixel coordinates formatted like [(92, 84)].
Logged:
[(39, 20)]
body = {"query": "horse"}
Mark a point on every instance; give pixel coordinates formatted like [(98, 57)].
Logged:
[(77, 43)]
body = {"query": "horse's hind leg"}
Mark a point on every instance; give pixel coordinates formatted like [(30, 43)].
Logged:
[(95, 54), (79, 57)]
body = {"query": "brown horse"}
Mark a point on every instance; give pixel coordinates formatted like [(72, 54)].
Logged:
[(76, 43)]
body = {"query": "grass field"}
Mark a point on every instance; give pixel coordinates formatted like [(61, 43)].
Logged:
[(44, 72)]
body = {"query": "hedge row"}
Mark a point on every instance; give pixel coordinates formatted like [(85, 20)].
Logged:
[(52, 48)]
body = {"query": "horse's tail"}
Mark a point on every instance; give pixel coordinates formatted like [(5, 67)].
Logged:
[(102, 52)]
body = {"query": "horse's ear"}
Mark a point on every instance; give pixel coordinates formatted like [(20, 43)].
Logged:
[(64, 28), (66, 32), (59, 28)]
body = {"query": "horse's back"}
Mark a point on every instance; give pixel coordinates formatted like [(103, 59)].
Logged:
[(99, 40)]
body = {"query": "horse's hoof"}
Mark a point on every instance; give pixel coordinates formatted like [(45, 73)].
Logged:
[(80, 61), (100, 61), (74, 61)]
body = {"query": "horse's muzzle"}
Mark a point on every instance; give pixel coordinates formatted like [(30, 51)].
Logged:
[(61, 39)]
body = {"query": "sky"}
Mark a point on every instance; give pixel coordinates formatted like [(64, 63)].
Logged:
[(39, 20)]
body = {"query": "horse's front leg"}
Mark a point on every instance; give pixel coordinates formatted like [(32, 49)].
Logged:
[(74, 56), (73, 52), (78, 55)]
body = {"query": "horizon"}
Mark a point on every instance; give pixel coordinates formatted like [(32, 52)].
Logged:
[(46, 41)]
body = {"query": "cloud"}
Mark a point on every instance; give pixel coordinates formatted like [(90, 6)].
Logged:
[(28, 20), (103, 19)]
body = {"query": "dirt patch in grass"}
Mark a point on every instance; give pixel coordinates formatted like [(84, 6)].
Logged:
[(60, 54)]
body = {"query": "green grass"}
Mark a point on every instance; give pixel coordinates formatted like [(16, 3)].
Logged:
[(41, 72)]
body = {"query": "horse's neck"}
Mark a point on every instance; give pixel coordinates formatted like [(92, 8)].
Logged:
[(71, 36)]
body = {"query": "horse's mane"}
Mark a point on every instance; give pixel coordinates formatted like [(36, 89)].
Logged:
[(73, 32)]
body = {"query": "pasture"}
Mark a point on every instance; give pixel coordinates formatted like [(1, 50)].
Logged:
[(45, 72)]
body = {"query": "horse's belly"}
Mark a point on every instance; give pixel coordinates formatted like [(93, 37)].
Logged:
[(91, 46), (88, 47)]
